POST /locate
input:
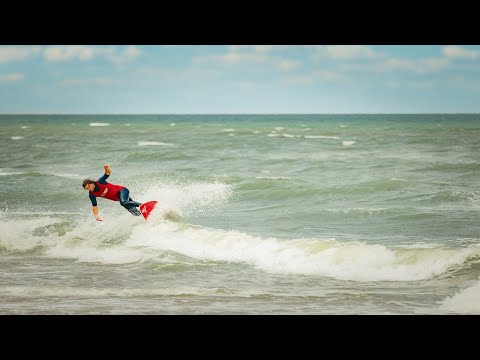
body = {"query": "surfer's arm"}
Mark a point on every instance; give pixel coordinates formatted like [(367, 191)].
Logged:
[(103, 178), (93, 199), (95, 213)]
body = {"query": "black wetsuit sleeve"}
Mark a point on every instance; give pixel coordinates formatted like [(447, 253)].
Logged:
[(93, 199), (102, 180)]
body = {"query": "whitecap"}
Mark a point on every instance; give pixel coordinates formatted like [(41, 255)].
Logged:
[(321, 137), (464, 302), (153, 143)]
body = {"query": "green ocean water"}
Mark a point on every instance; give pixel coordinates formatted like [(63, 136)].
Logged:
[(257, 214)]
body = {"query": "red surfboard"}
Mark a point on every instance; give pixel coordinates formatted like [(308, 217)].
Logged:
[(146, 208)]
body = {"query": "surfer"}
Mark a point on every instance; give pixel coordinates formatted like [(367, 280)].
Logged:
[(109, 191)]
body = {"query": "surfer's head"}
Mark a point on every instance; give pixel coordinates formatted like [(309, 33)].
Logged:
[(88, 184)]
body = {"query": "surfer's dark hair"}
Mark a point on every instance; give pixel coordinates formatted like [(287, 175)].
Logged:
[(87, 181)]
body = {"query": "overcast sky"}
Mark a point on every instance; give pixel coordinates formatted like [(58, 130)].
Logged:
[(240, 79)]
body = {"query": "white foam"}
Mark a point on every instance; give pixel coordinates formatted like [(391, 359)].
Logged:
[(348, 142), (127, 125), (99, 124), (344, 261), (19, 234), (65, 175), (273, 135), (187, 199), (279, 128), (68, 175), (288, 135), (321, 137), (272, 177), (96, 253), (2, 173), (24, 127), (172, 124), (17, 137), (153, 143), (122, 238), (227, 130), (466, 301)]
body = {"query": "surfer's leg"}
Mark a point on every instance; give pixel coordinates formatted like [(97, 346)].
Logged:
[(134, 202), (127, 202)]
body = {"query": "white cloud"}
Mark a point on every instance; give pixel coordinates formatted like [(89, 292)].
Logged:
[(232, 58), (129, 53), (174, 46), (15, 53), (418, 66), (255, 48), (85, 53), (459, 52), (343, 52), (287, 65), (69, 52), (432, 64), (393, 64), (349, 51), (249, 54), (132, 52), (314, 77), (155, 74), (12, 77)]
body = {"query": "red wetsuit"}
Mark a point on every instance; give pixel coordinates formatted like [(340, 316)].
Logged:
[(107, 191)]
